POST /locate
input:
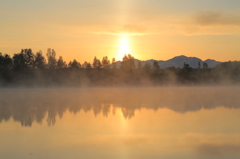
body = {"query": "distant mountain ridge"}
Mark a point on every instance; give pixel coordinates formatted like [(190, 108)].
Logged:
[(178, 61)]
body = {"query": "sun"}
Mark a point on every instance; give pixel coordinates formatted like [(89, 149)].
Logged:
[(123, 46)]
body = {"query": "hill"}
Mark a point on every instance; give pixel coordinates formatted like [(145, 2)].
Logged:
[(178, 61)]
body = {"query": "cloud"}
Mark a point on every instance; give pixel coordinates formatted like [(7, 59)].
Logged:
[(207, 18), (207, 23), (216, 18), (135, 29), (132, 29), (200, 23), (218, 149)]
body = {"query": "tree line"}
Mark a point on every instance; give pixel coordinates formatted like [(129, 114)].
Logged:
[(34, 69)]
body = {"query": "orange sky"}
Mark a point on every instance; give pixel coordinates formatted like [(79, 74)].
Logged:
[(157, 29)]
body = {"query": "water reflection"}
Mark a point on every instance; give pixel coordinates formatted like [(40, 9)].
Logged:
[(34, 105)]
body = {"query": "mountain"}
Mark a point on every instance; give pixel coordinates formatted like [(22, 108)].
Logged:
[(178, 61)]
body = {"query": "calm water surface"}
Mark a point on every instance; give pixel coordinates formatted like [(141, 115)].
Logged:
[(120, 123)]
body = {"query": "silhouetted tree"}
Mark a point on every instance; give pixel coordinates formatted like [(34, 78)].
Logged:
[(199, 65), (185, 66), (185, 74), (87, 65), (156, 66), (5, 61), (229, 70), (5, 67), (128, 62), (139, 65), (61, 63), (40, 62), (28, 57), (51, 56), (24, 60), (114, 63), (74, 64), (19, 62), (155, 70), (147, 67), (96, 63), (105, 62), (205, 65), (1, 60), (125, 58)]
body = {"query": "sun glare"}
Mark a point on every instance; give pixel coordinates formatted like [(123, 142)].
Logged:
[(123, 46)]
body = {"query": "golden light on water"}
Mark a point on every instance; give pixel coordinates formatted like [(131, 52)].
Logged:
[(124, 47)]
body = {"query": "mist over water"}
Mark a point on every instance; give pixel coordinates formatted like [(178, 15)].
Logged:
[(146, 122), (55, 101)]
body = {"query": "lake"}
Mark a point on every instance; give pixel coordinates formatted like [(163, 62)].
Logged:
[(120, 123)]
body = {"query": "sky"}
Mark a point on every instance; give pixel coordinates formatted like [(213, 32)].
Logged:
[(147, 29)]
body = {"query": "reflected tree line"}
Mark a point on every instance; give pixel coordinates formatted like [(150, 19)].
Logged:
[(34, 69), (29, 105)]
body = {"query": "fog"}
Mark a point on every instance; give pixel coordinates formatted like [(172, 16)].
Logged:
[(28, 105)]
